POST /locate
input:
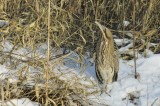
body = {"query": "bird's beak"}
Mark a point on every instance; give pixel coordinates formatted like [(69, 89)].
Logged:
[(102, 28), (105, 31)]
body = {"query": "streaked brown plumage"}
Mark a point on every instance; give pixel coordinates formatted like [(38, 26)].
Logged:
[(107, 58)]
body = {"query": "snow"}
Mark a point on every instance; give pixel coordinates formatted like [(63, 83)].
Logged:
[(3, 23), (126, 23), (21, 102), (3, 70), (119, 42), (127, 91), (145, 89), (7, 46)]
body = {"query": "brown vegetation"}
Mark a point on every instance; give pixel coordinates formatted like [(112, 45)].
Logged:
[(69, 24)]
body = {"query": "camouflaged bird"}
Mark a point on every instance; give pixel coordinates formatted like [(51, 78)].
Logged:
[(107, 58)]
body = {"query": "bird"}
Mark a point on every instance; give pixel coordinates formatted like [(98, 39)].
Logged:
[(107, 58)]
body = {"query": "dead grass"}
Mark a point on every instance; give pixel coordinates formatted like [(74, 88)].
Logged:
[(68, 24)]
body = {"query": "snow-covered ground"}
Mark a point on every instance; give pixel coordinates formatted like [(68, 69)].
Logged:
[(20, 102), (127, 91)]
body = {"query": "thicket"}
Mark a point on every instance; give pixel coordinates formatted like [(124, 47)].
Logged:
[(70, 24)]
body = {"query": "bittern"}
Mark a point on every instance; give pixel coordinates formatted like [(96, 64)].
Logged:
[(107, 58)]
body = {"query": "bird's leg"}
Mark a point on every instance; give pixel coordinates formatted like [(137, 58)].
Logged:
[(104, 89)]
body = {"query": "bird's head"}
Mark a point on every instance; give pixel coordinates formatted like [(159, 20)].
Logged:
[(106, 33)]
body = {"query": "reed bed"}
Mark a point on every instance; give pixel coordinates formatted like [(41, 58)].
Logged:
[(68, 24)]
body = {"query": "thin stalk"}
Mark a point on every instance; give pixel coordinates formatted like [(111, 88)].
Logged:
[(134, 24), (48, 54), (2, 94), (123, 27)]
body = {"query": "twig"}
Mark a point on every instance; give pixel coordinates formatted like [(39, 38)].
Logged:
[(154, 102), (134, 51), (48, 55)]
